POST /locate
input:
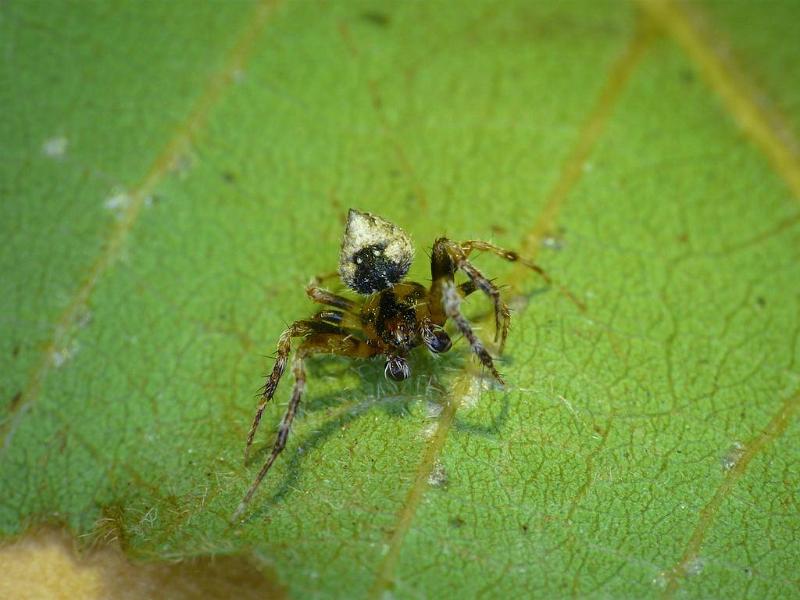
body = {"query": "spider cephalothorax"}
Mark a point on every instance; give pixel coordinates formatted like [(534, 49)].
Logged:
[(391, 317)]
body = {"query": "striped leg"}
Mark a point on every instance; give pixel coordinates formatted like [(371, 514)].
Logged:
[(325, 342)]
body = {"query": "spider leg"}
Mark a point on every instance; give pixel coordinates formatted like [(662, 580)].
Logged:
[(283, 432), (508, 255), (322, 296), (343, 320), (512, 256), (458, 259), (296, 329), (452, 303), (466, 288), (335, 343)]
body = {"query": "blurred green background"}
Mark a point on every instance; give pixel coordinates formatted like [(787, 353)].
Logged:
[(173, 173)]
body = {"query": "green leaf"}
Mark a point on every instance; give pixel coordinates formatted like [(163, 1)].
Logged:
[(174, 173)]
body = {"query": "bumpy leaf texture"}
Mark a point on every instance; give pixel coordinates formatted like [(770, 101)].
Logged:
[(173, 173)]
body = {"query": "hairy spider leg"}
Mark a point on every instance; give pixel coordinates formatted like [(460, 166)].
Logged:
[(452, 303), (296, 329), (467, 288), (508, 255), (446, 297), (333, 343), (344, 320), (322, 296), (512, 256), (458, 258), (326, 321)]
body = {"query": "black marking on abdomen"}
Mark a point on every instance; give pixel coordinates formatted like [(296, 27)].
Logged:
[(375, 271)]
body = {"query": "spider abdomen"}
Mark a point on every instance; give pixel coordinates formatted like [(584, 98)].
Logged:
[(375, 253)]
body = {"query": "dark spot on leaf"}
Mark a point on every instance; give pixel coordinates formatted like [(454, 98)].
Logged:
[(457, 522), (15, 351), (229, 176), (15, 400), (377, 101), (337, 207), (378, 19), (61, 440), (498, 229), (761, 301), (524, 528), (687, 76)]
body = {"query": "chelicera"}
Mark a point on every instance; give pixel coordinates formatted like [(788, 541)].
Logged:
[(391, 316)]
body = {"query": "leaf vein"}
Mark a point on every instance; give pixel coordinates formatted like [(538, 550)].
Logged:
[(707, 516), (758, 117), (570, 174), (66, 324)]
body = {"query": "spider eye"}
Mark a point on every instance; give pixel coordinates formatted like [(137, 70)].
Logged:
[(397, 368), (437, 340)]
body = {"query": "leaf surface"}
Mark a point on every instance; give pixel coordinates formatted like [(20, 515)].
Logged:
[(178, 173)]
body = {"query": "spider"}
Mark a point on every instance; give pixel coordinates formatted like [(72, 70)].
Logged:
[(391, 318)]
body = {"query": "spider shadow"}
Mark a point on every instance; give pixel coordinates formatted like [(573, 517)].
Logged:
[(427, 382), (393, 398), (490, 430)]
